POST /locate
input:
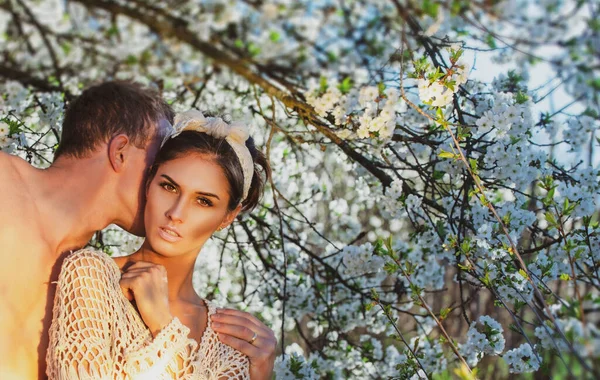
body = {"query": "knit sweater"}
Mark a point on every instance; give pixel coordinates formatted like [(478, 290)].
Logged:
[(96, 333)]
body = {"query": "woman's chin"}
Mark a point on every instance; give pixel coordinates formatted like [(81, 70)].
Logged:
[(164, 248)]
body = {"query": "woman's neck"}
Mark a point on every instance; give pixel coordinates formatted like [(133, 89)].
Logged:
[(180, 270)]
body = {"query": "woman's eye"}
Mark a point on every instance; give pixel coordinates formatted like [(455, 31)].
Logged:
[(167, 186), (204, 202)]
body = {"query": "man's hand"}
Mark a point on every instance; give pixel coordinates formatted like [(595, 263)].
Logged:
[(250, 336), (147, 284)]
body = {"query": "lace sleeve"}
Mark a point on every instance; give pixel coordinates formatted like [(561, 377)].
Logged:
[(163, 355), (87, 335), (80, 341), (233, 364)]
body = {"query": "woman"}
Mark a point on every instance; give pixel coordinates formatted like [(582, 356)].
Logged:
[(138, 316)]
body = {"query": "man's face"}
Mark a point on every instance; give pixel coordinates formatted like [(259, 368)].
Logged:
[(135, 179)]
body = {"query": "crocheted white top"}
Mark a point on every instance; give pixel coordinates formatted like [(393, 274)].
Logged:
[(96, 333)]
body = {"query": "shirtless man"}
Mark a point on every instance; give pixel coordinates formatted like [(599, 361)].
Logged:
[(111, 134)]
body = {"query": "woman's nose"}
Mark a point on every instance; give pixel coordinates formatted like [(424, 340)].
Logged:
[(176, 211)]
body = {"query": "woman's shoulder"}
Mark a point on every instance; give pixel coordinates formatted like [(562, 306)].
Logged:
[(89, 260)]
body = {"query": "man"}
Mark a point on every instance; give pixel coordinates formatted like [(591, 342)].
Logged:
[(110, 136)]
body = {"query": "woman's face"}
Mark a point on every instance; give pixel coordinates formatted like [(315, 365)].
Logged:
[(186, 202)]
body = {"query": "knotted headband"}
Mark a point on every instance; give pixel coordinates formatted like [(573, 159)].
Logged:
[(234, 133)]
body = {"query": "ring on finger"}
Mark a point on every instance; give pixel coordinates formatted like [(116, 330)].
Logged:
[(251, 341)]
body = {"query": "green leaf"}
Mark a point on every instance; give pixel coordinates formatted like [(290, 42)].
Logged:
[(112, 31), (437, 174), (253, 49), (486, 280), (131, 59), (521, 97), (451, 85), (374, 294), (490, 41), (323, 84), (569, 207), (550, 218), (430, 8), (66, 47), (523, 273), (473, 164), (464, 267), (440, 114), (565, 277), (444, 312), (444, 154), (345, 86), (390, 268), (456, 55), (274, 36), (594, 83)]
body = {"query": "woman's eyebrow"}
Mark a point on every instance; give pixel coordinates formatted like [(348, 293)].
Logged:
[(170, 179), (208, 194), (197, 192)]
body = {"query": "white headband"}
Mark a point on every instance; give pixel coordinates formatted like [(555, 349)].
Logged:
[(235, 134)]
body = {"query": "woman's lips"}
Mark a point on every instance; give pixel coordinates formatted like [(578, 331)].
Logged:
[(169, 234)]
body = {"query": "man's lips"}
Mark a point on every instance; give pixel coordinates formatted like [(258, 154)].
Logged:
[(169, 234)]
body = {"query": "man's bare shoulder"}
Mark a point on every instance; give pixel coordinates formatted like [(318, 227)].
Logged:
[(13, 168), (14, 176), (10, 159), (17, 206)]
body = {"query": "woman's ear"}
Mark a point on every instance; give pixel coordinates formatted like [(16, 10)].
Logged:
[(230, 217), (118, 147)]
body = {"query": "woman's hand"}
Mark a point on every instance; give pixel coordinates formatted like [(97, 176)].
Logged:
[(237, 329), (146, 283)]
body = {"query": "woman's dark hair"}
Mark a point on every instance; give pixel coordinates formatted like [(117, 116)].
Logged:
[(192, 142)]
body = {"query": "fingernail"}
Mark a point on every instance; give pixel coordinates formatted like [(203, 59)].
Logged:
[(216, 324)]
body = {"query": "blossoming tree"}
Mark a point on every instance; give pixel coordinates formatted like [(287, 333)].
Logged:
[(422, 221)]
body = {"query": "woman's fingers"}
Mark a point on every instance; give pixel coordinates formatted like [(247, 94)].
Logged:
[(239, 331), (245, 333), (242, 323), (126, 287), (242, 314)]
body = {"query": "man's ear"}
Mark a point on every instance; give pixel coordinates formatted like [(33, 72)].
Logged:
[(118, 147), (230, 217)]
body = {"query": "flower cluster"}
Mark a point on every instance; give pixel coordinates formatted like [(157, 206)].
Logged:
[(292, 367), (5, 139), (437, 87), (522, 359), (483, 338), (359, 260), (364, 113)]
